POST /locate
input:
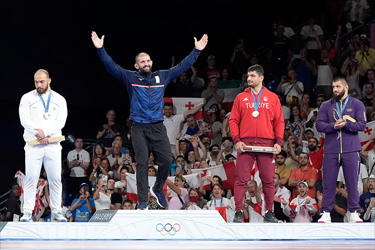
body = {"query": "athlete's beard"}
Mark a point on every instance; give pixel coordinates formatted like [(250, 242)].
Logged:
[(339, 95), (145, 71), (41, 90)]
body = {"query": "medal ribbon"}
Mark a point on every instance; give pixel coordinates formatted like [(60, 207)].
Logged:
[(339, 112), (46, 108), (256, 104)]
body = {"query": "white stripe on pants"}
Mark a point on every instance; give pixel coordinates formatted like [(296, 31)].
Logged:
[(50, 156)]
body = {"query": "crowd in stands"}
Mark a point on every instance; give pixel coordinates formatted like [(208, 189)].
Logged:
[(301, 74)]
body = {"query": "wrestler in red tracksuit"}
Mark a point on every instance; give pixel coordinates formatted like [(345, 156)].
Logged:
[(265, 130)]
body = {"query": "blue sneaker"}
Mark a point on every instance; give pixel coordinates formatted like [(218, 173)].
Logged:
[(159, 197), (142, 206)]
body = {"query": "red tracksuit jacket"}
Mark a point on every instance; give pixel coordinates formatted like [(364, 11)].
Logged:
[(261, 130)]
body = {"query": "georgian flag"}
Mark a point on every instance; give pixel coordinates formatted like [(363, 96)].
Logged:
[(365, 136), (182, 105), (192, 179)]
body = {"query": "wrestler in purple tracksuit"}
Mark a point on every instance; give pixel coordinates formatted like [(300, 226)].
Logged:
[(341, 148)]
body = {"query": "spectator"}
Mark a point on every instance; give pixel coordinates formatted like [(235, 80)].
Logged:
[(325, 72), (109, 130), (229, 158), (288, 31), (182, 146), (78, 163), (223, 113), (367, 201), (239, 60), (311, 118), (206, 141), (173, 122), (331, 46), (116, 199), (194, 199), (282, 170), (118, 138), (116, 158), (12, 205), (308, 33), (213, 156), (316, 160), (127, 205), (192, 127), (352, 71), (179, 166), (369, 94), (99, 152), (253, 206), (309, 133), (341, 204), (369, 155), (183, 85), (362, 179), (211, 70), (370, 77), (102, 198), (225, 75), (179, 192), (212, 94), (289, 86), (303, 173), (227, 147), (101, 167), (218, 200), (281, 194), (280, 51), (207, 194), (305, 106), (83, 207), (303, 207), (292, 161), (304, 68), (215, 124), (122, 184), (296, 122)]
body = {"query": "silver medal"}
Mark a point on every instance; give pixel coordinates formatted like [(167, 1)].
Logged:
[(255, 114), (46, 116)]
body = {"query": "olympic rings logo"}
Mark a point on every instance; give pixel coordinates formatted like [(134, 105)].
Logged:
[(168, 228)]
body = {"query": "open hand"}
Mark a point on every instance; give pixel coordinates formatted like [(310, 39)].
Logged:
[(98, 42), (201, 44)]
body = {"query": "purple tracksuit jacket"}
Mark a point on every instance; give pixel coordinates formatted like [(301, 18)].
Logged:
[(345, 139)]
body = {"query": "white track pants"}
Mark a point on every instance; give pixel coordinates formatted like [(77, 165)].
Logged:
[(50, 156)]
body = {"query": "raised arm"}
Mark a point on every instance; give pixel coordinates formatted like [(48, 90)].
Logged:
[(188, 61)]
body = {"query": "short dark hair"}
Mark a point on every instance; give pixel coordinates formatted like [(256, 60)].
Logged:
[(127, 201), (229, 156), (168, 104), (179, 156), (190, 115), (283, 154), (257, 68), (308, 157), (110, 178), (317, 142), (341, 79), (215, 145), (226, 138)]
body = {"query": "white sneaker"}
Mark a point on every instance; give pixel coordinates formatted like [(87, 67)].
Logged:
[(354, 218), (58, 217), (325, 218), (27, 217)]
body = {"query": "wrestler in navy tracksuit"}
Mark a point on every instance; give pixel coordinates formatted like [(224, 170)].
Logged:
[(341, 148), (146, 92)]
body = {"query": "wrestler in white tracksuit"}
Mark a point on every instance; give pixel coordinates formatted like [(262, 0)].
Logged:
[(31, 111)]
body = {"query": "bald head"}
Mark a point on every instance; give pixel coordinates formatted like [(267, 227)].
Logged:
[(140, 55), (42, 71)]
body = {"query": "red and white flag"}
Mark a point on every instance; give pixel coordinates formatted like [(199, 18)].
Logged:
[(40, 199), (365, 136), (192, 179), (227, 173), (182, 105)]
